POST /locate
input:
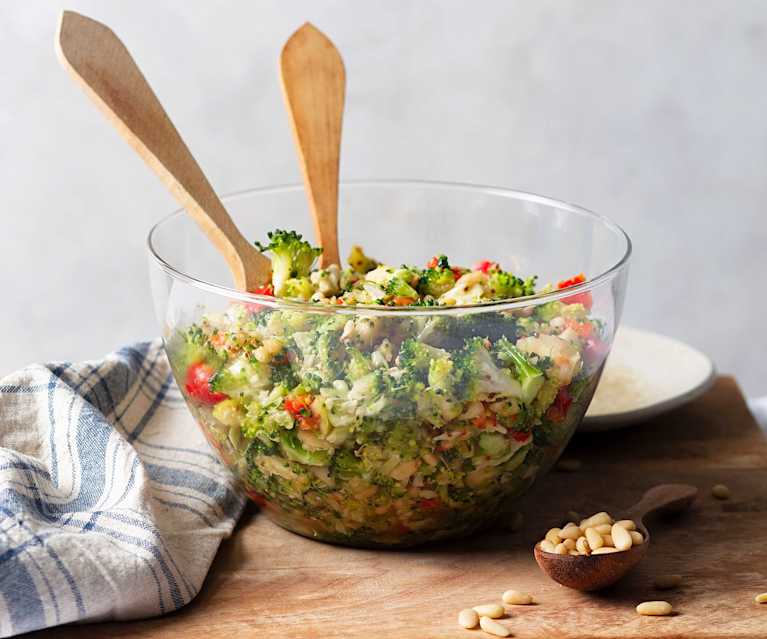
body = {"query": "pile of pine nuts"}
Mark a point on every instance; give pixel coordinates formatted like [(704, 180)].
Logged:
[(595, 535), (485, 615)]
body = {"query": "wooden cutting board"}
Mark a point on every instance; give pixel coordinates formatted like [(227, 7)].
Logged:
[(267, 582)]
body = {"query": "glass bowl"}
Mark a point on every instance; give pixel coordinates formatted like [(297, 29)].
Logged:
[(380, 426)]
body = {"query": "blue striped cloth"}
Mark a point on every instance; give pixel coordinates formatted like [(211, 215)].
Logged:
[(112, 505)]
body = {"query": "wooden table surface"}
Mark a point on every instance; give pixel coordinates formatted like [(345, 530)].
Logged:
[(266, 582)]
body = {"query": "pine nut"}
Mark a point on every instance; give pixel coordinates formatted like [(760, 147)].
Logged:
[(547, 546), (762, 598), (599, 518), (720, 491), (517, 598), (636, 537), (621, 538), (468, 618), (608, 539), (604, 550), (667, 582), (654, 608), (582, 546), (561, 549), (553, 535), (570, 532), (628, 524), (569, 465), (603, 529), (494, 611), (493, 627), (569, 544), (594, 538)]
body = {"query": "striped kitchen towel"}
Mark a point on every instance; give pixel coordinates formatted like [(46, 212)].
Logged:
[(112, 505)]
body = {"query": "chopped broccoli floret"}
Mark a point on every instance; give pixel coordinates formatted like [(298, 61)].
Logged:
[(504, 285), (398, 287), (529, 376), (481, 375), (360, 262), (292, 256), (298, 288), (415, 357), (436, 281), (295, 451), (358, 366), (242, 377)]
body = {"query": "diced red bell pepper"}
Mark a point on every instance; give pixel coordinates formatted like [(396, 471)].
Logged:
[(579, 298), (198, 384), (558, 410), (266, 289), (520, 435), (430, 504), (486, 266), (299, 407)]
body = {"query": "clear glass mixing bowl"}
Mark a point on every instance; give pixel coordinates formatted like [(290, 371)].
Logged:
[(377, 464)]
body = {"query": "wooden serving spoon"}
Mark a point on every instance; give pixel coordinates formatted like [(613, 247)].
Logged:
[(592, 572), (99, 61), (313, 83)]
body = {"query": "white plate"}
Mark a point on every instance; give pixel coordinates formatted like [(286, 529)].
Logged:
[(646, 374)]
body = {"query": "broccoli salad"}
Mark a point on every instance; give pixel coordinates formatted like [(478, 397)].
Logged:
[(389, 429)]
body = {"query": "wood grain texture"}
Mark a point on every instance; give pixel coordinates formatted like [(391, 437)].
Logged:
[(100, 63), (314, 84), (267, 582)]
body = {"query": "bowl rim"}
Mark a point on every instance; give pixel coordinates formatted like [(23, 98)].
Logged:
[(495, 306)]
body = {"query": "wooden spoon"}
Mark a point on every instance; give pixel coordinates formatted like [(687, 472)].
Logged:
[(313, 83), (99, 61), (593, 572)]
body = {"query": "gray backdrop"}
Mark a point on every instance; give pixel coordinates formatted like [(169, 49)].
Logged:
[(652, 113)]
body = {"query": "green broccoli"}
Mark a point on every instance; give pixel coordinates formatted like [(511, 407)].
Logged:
[(292, 257), (528, 375), (358, 365), (415, 357), (298, 288), (195, 348), (241, 378), (398, 287), (436, 281), (504, 285), (360, 262), (295, 451), (481, 376)]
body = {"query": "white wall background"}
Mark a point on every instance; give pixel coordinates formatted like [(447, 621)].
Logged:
[(654, 113)]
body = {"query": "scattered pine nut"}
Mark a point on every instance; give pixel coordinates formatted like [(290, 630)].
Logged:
[(654, 608), (720, 491), (569, 465), (594, 538), (636, 537), (604, 550), (493, 627), (762, 598), (596, 520), (517, 598), (582, 546), (603, 529), (547, 546), (468, 618), (561, 549), (628, 524), (553, 535), (494, 611), (667, 582), (608, 539), (570, 532), (621, 537), (569, 544)]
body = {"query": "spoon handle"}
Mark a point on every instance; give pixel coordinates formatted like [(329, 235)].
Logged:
[(100, 62), (313, 83), (667, 498)]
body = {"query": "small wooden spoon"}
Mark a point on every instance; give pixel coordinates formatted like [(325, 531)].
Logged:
[(99, 61), (598, 571), (313, 83)]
